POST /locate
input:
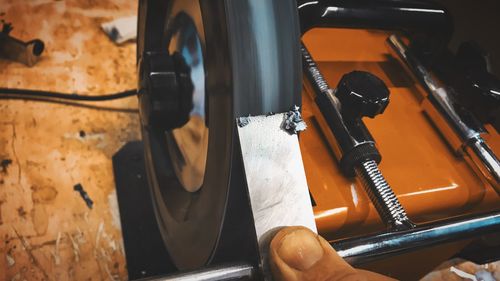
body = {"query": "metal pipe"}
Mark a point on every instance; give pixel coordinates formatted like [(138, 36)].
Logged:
[(215, 273), (383, 245), (413, 16), (368, 248), (440, 107), (17, 50)]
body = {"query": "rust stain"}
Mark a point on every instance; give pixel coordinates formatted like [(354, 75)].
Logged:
[(43, 194), (21, 212), (1, 220), (39, 219), (14, 152)]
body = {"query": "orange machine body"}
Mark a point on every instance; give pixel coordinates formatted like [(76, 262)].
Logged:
[(430, 181)]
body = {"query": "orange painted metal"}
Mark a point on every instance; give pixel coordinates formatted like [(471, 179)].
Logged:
[(430, 182)]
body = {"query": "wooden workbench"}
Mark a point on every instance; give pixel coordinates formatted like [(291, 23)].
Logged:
[(47, 232)]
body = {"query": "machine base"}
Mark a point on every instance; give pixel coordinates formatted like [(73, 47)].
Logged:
[(145, 252)]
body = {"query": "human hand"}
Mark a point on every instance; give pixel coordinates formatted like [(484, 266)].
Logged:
[(297, 253)]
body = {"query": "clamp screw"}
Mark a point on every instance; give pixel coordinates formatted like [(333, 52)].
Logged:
[(362, 94)]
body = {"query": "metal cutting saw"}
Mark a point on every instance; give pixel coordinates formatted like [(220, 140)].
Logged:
[(398, 157)]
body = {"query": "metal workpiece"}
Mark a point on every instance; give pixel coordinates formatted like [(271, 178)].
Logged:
[(275, 179), (464, 138), (358, 94), (14, 49), (368, 248), (380, 193)]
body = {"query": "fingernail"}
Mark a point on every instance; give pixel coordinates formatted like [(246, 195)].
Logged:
[(300, 249)]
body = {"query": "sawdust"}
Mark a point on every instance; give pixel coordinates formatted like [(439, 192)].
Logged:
[(10, 260), (114, 209)]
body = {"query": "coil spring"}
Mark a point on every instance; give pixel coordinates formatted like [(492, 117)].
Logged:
[(380, 193)]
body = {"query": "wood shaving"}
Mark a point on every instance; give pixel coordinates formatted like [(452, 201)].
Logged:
[(55, 253), (76, 249), (99, 233), (10, 260), (16, 277)]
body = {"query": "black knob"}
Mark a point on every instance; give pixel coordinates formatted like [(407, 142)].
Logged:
[(362, 94)]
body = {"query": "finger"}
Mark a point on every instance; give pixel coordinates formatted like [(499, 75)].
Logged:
[(299, 254), (296, 253)]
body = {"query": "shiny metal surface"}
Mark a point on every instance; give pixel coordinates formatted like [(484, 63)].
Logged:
[(227, 272), (188, 145), (378, 14), (420, 19), (276, 181), (364, 249), (440, 107), (382, 196)]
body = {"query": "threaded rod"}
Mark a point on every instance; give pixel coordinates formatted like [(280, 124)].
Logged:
[(383, 198)]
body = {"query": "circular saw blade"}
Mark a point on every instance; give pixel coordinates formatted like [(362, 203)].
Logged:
[(250, 52)]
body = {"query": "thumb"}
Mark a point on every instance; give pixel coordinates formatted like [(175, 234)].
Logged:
[(297, 253)]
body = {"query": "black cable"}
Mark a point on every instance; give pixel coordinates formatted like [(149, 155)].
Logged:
[(56, 95), (82, 104)]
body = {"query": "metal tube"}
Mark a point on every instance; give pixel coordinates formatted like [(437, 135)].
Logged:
[(368, 248), (222, 272), (17, 50), (413, 16), (440, 107)]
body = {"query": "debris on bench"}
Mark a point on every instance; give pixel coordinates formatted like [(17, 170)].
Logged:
[(78, 187)]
